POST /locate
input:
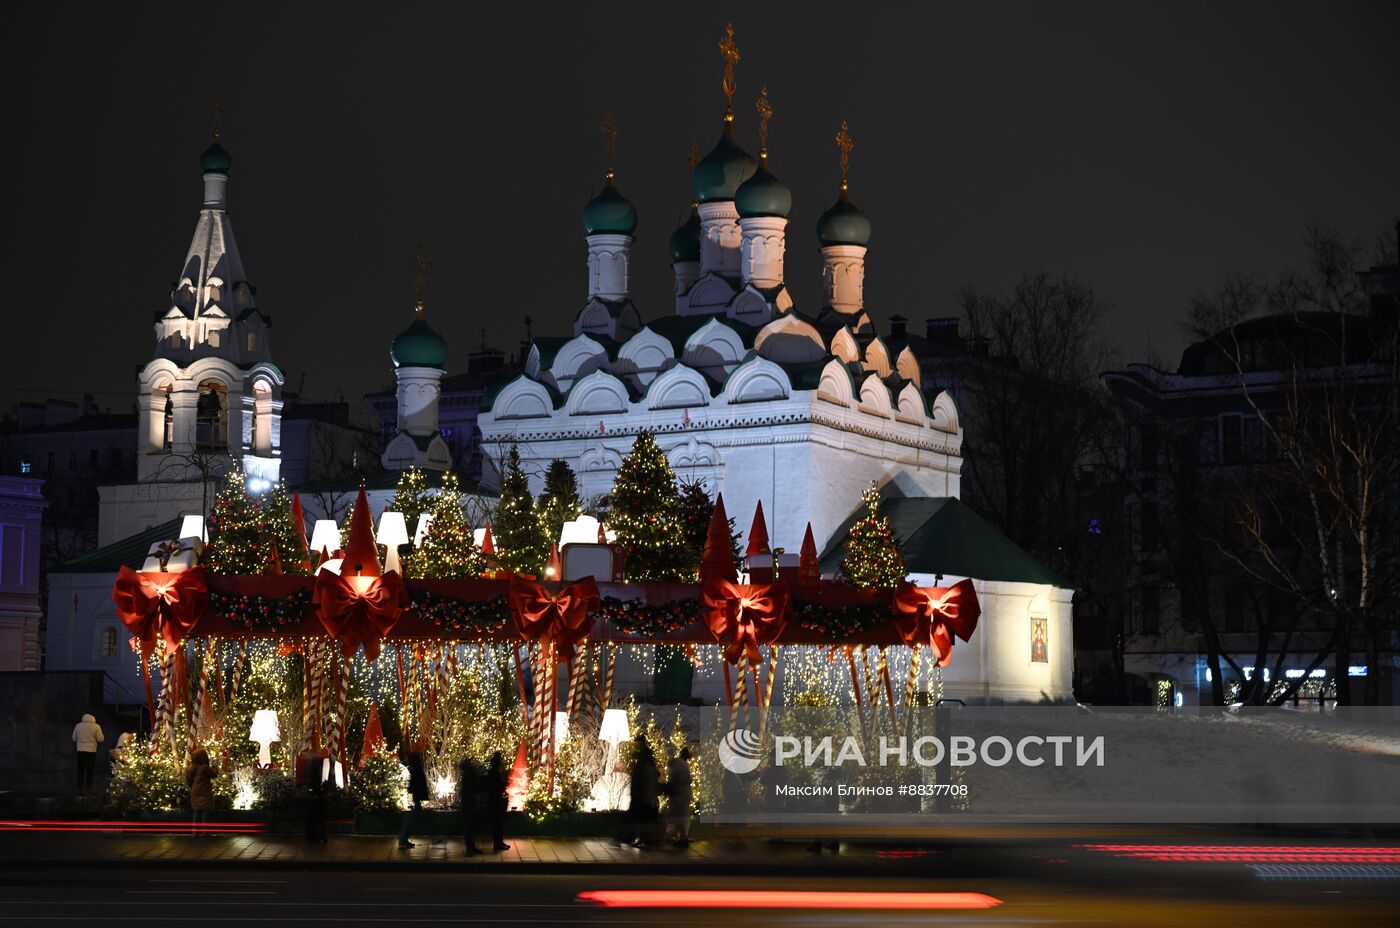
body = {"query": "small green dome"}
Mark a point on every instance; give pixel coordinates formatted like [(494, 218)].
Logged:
[(609, 213), (719, 174), (216, 159), (843, 224), (418, 346), (763, 195), (685, 241)]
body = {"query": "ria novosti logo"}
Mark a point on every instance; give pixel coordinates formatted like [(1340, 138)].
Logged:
[(740, 751)]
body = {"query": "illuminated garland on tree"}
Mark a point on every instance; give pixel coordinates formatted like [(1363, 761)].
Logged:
[(841, 622), (460, 618), (413, 497), (520, 540), (284, 536), (559, 503), (256, 612), (873, 559), (236, 533), (646, 516), (646, 620), (447, 552)]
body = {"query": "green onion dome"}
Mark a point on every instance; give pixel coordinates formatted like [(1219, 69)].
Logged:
[(763, 195), (216, 159), (418, 345), (719, 174), (685, 241), (609, 213), (843, 224)]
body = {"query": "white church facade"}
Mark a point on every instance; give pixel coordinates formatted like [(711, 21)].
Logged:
[(746, 392)]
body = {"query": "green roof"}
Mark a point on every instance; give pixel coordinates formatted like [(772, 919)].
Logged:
[(130, 551), (941, 535)]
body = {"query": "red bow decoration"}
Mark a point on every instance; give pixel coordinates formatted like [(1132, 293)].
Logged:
[(933, 615), (743, 616), (156, 606), (560, 618), (359, 610)]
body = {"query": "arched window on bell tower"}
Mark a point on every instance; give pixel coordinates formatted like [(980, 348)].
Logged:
[(167, 411), (211, 415)]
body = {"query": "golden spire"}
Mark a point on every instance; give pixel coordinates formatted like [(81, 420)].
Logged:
[(730, 51), (421, 266), (845, 143), (609, 129), (765, 113), (218, 107)]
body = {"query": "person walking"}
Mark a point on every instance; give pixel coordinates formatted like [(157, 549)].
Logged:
[(471, 782), (316, 797), (417, 791), (87, 735), (643, 809), (678, 796), (494, 796), (199, 777)]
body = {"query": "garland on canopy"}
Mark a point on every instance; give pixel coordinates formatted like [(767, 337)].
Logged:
[(647, 619), (461, 618), (841, 622), (256, 612)]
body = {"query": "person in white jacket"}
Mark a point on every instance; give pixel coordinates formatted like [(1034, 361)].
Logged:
[(87, 735)]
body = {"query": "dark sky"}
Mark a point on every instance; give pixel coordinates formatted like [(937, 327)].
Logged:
[(1148, 149)]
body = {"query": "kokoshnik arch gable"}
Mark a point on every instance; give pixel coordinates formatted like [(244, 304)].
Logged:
[(742, 389)]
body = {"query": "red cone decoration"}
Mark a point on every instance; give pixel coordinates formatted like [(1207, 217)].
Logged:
[(374, 735), (555, 570), (808, 570), (361, 549), (758, 533), (303, 553), (718, 561), (488, 547)]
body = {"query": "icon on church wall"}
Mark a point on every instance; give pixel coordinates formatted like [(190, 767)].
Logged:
[(1040, 640)]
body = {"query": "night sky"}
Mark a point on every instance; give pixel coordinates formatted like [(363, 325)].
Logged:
[(1148, 150)]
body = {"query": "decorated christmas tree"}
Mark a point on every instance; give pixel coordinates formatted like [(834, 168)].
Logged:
[(559, 503), (447, 552), (873, 559), (413, 497), (646, 514), (697, 509), (236, 533), (521, 544), (285, 540)]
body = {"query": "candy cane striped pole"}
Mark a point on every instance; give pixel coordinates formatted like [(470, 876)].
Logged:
[(238, 661), (883, 662), (912, 686), (855, 690)]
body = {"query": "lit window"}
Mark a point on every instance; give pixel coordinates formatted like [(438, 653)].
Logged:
[(109, 642), (252, 341)]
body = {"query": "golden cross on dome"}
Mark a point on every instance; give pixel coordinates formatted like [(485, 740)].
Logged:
[(421, 267), (845, 143), (609, 129), (218, 107), (730, 51), (765, 113)]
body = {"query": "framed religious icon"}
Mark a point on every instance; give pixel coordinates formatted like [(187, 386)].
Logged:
[(1040, 640)]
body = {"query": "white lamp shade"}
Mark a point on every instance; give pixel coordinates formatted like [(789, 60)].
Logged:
[(614, 729), (392, 530), (264, 731), (580, 531), (421, 532), (192, 526), (478, 536), (325, 536)]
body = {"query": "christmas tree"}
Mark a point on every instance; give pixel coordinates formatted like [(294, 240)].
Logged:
[(285, 539), (447, 552), (696, 511), (559, 503), (520, 539), (236, 533), (412, 497), (873, 559), (646, 514)]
